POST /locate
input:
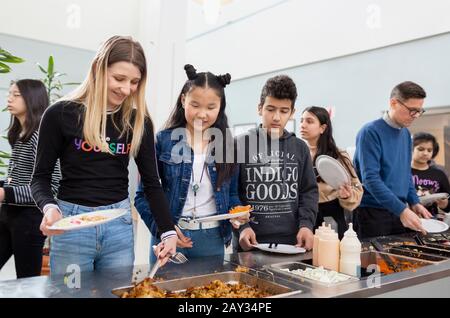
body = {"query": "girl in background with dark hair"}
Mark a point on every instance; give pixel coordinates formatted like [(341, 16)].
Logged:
[(428, 179), (317, 131), (19, 217), (198, 182)]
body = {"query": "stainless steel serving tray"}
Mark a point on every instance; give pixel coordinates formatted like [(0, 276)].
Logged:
[(369, 261), (181, 284), (281, 269), (420, 252)]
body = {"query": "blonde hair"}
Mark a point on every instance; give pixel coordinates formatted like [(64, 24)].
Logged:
[(93, 92)]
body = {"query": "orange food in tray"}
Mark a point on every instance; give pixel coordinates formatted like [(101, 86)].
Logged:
[(241, 208)]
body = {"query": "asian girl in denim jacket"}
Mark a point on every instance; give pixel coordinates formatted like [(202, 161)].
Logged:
[(196, 179)]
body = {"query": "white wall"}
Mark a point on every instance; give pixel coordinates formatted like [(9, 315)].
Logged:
[(76, 23), (298, 32)]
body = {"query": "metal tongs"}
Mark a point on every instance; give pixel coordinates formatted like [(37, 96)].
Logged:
[(418, 239), (387, 258), (177, 258)]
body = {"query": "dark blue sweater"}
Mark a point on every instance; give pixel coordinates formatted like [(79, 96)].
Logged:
[(383, 163)]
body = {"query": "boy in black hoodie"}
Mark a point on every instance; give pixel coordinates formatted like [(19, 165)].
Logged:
[(276, 175)]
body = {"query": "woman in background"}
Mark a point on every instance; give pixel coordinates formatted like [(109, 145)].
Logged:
[(19, 216)]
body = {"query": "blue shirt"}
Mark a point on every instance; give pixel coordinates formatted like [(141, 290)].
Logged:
[(383, 163)]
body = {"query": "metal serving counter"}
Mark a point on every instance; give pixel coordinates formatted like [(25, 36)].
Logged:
[(99, 285)]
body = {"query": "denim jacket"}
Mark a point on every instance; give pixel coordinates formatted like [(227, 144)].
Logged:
[(175, 174)]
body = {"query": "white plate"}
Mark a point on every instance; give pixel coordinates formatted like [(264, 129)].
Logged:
[(219, 217), (428, 199), (434, 226), (332, 171), (75, 222), (280, 248)]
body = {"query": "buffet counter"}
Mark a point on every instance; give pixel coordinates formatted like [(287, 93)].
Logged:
[(430, 279)]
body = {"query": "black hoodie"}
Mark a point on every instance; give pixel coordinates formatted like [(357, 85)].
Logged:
[(278, 181)]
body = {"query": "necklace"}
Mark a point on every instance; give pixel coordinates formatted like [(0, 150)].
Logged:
[(196, 185)]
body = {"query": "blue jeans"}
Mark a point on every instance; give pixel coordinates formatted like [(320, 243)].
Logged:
[(108, 245), (205, 243)]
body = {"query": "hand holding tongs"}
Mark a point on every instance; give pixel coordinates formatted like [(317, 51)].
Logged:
[(177, 258)]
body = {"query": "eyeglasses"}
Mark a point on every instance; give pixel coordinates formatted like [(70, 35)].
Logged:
[(412, 112), (12, 94)]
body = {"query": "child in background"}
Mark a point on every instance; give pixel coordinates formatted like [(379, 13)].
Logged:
[(428, 179)]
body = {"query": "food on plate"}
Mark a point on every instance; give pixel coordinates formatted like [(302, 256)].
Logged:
[(241, 269), (87, 219), (240, 208), (215, 289), (93, 218)]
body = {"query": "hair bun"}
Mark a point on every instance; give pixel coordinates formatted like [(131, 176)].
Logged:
[(224, 79), (191, 72)]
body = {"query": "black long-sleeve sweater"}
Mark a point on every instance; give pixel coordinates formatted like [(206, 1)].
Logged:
[(90, 177)]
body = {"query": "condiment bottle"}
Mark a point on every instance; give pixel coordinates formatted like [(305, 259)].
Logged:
[(350, 262), (329, 250), (317, 234)]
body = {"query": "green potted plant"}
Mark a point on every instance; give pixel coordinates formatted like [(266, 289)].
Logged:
[(5, 59)]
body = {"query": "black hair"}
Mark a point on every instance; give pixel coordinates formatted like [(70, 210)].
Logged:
[(280, 87), (36, 101), (421, 137), (326, 144), (177, 117), (407, 90)]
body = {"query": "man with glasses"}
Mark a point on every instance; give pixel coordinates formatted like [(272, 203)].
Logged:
[(382, 161)]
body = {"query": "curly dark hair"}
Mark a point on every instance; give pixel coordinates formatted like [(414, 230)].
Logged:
[(280, 87)]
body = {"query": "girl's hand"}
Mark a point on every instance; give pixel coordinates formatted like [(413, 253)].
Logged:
[(237, 222), (183, 241), (165, 249), (345, 191), (50, 217)]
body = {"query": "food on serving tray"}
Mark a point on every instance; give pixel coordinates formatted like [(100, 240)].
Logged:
[(145, 289), (241, 208), (319, 274), (215, 289), (400, 266)]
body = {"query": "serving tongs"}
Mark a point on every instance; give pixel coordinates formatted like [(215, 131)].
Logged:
[(418, 239), (387, 258)]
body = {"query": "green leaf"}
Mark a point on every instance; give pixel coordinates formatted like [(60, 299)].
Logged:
[(4, 68), (11, 59), (51, 65), (57, 74), (43, 70)]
